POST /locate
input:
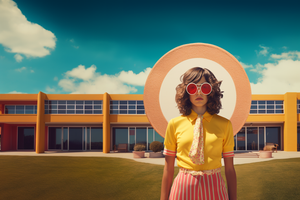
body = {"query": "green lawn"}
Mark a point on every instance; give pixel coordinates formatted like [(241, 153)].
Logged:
[(115, 178)]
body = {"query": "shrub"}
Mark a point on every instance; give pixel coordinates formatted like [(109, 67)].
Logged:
[(156, 146), (139, 147)]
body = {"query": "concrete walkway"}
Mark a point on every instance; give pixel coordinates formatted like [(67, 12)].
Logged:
[(157, 161)]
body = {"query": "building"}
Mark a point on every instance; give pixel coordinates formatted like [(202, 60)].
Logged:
[(100, 122)]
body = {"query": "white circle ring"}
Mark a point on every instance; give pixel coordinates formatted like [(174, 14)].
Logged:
[(159, 91)]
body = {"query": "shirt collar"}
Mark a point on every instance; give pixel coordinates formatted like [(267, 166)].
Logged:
[(193, 116)]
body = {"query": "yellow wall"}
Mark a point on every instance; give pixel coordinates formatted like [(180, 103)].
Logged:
[(290, 123), (289, 118)]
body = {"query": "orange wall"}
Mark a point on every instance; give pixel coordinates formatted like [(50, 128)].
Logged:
[(74, 118), (74, 96), (274, 97), (126, 97), (18, 118), (18, 97), (129, 118)]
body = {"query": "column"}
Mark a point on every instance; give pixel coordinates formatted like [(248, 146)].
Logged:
[(290, 122), (40, 124), (106, 123)]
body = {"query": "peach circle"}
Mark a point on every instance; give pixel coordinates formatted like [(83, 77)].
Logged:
[(189, 51)]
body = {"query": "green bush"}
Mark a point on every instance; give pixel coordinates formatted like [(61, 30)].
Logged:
[(139, 147), (156, 146)]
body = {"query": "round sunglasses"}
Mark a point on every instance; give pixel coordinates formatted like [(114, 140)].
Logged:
[(193, 88)]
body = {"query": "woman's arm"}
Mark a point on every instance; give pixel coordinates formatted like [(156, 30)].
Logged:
[(230, 178), (167, 178)]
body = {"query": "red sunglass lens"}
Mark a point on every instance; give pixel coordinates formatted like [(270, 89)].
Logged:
[(206, 88), (191, 88)]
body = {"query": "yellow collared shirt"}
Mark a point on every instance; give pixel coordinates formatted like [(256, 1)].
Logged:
[(218, 139)]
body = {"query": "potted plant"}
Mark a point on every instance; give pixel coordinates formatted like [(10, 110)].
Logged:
[(156, 147), (139, 151)]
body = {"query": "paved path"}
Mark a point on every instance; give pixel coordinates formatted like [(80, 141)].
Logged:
[(157, 161)]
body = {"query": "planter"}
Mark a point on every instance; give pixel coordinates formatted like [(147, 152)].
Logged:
[(156, 155), (265, 154), (138, 154)]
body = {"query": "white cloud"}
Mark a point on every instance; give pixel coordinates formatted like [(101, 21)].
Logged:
[(279, 78), (81, 73), (18, 58), (288, 55), (32, 71), (134, 79), (257, 68), (68, 85), (21, 69), (20, 36), (81, 80), (264, 51), (15, 92), (50, 90), (55, 78)]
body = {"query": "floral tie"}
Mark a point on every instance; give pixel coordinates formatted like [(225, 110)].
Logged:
[(196, 152)]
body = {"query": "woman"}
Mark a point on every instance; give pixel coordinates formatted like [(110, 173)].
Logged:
[(199, 137)]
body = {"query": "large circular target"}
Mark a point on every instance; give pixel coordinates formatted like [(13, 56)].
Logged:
[(159, 91)]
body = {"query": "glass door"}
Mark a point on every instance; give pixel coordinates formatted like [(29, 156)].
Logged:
[(75, 138), (26, 138), (240, 137), (120, 136), (273, 136), (252, 138)]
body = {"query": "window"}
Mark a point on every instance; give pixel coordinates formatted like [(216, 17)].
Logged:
[(255, 138), (75, 138), (127, 107), (73, 107), (298, 106), (266, 107), (21, 109), (135, 135)]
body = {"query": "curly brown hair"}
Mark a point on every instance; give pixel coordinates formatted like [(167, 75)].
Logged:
[(194, 75)]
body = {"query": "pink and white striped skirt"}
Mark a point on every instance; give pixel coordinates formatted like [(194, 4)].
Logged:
[(189, 185)]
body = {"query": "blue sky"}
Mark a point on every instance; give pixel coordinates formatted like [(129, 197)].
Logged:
[(64, 46)]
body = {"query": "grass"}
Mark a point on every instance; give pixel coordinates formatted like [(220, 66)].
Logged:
[(115, 178)]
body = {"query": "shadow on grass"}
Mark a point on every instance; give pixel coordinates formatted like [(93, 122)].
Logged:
[(116, 178)]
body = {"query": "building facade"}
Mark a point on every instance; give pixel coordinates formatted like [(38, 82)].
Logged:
[(100, 122)]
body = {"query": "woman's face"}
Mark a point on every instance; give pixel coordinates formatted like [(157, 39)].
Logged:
[(199, 99)]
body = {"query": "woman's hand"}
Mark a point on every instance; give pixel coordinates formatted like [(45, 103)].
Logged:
[(230, 178), (167, 178)]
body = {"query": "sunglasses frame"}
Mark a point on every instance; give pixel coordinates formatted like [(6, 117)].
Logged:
[(199, 86)]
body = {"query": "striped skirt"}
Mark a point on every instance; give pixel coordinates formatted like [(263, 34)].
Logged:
[(205, 186)]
